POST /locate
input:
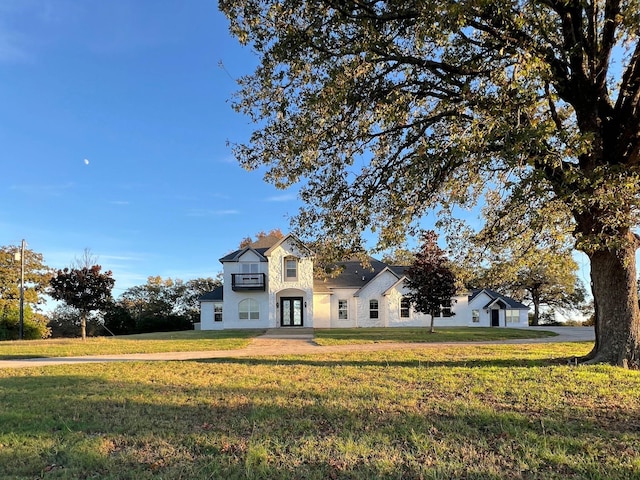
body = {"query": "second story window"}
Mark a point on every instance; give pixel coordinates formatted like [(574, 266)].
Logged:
[(290, 269), (249, 267)]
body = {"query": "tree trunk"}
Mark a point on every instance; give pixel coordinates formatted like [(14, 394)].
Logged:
[(535, 297), (613, 278), (83, 325)]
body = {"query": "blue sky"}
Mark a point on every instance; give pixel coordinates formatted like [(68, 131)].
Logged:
[(135, 88)]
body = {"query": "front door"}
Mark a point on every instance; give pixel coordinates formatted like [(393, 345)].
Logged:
[(495, 317), (291, 312)]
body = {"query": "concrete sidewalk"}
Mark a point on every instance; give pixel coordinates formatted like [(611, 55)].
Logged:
[(274, 344)]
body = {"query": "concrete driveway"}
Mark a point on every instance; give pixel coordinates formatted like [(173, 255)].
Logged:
[(272, 344)]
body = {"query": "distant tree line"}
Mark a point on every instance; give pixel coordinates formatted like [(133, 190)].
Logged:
[(160, 305), (86, 306)]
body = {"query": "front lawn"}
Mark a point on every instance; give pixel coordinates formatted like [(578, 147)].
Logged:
[(339, 336), (190, 340), (466, 412)]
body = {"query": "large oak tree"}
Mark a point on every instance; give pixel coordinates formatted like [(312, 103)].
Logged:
[(386, 109)]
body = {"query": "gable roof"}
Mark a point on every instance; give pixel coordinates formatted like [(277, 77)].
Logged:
[(293, 240), (235, 256), (497, 298), (263, 248)]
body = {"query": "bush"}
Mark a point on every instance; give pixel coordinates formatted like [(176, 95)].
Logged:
[(119, 321), (163, 323), (34, 324)]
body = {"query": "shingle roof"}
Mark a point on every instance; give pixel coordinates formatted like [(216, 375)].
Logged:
[(213, 296), (510, 302), (353, 275), (399, 270), (234, 256)]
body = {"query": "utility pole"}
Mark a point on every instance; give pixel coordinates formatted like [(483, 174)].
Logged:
[(21, 335)]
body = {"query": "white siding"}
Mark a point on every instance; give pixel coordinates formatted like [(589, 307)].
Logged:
[(322, 310), (343, 294), (206, 316), (374, 290), (393, 298), (230, 314)]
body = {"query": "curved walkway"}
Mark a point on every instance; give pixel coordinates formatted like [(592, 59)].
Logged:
[(271, 345)]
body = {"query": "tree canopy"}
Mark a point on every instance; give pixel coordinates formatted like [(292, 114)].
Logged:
[(85, 288), (262, 236), (383, 110), (36, 277), (534, 266)]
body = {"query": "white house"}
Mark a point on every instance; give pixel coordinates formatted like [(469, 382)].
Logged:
[(270, 284)]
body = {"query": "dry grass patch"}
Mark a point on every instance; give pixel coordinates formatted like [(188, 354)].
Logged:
[(478, 412)]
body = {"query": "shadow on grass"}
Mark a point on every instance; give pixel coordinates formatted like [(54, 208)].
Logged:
[(103, 426), (422, 335), (413, 363)]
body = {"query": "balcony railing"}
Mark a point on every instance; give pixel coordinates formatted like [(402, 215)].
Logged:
[(247, 281)]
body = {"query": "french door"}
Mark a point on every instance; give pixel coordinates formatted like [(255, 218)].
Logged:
[(291, 311)]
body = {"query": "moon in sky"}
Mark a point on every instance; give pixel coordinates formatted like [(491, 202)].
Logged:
[(86, 162)]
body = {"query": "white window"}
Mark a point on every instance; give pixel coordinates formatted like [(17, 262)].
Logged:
[(405, 306), (475, 316), (445, 309), (248, 309), (512, 316), (217, 312), (343, 309), (250, 267), (290, 269), (373, 308)]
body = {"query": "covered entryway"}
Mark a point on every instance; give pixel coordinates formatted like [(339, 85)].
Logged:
[(291, 312)]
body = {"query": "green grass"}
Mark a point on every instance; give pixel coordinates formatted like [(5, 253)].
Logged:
[(442, 334), (232, 339), (464, 412), (144, 343)]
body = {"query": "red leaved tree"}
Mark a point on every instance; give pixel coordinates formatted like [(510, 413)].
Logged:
[(430, 279), (85, 288)]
